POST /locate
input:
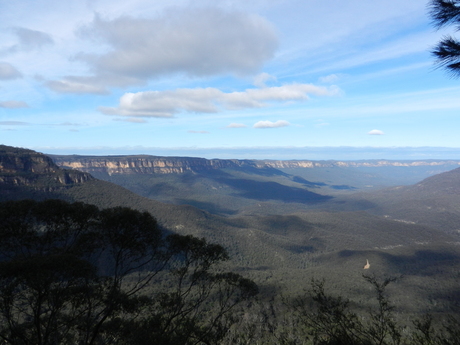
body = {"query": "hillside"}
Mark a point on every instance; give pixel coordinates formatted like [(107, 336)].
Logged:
[(433, 202), (232, 187), (280, 252), (25, 173)]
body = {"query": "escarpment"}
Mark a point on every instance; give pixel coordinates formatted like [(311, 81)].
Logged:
[(22, 167), (145, 164)]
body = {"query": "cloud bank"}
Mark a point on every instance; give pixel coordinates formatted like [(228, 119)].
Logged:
[(197, 42), (209, 100)]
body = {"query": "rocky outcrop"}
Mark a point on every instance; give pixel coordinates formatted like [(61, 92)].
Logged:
[(144, 164), (22, 167)]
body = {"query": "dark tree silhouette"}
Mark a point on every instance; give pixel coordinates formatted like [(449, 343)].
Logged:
[(447, 51), (74, 274), (330, 320)]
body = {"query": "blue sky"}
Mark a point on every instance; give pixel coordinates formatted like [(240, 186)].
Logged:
[(226, 79)]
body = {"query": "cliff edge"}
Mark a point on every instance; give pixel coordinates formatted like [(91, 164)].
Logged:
[(23, 167)]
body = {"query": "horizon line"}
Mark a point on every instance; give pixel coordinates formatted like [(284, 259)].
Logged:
[(270, 153)]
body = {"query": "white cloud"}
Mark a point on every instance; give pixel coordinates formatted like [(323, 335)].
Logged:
[(75, 86), (132, 120), (376, 132), (261, 79), (209, 100), (329, 79), (269, 124), (30, 39), (8, 71), (13, 123), (65, 124), (236, 125), (13, 104), (195, 42), (198, 132)]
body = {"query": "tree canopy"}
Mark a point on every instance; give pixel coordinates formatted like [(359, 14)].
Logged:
[(74, 274)]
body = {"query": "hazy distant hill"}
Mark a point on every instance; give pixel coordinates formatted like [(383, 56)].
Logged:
[(434, 202), (279, 251), (230, 187)]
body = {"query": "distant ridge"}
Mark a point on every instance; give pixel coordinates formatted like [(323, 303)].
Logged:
[(433, 201), (24, 171), (167, 165), (238, 186)]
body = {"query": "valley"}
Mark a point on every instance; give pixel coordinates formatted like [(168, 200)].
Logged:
[(232, 187), (283, 225)]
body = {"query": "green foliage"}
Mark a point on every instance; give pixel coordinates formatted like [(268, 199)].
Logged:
[(321, 318), (427, 333), (74, 274), (324, 319), (447, 52)]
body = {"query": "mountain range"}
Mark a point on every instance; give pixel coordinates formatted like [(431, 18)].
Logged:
[(282, 222)]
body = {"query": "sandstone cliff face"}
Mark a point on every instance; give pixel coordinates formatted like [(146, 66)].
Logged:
[(141, 164), (176, 165), (21, 167)]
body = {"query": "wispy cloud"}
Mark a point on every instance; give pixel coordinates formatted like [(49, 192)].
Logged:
[(198, 132), (375, 132), (13, 123), (77, 86), (329, 79), (236, 125), (269, 124), (131, 119), (13, 104), (69, 124), (321, 123)]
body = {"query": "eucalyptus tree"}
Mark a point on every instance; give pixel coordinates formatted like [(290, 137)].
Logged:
[(74, 274)]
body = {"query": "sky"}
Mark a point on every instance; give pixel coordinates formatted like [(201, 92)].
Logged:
[(261, 79)]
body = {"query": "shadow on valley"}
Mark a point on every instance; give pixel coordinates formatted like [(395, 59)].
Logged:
[(307, 183), (272, 191), (262, 171), (284, 225), (343, 187), (297, 248), (422, 262), (207, 206), (310, 184)]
